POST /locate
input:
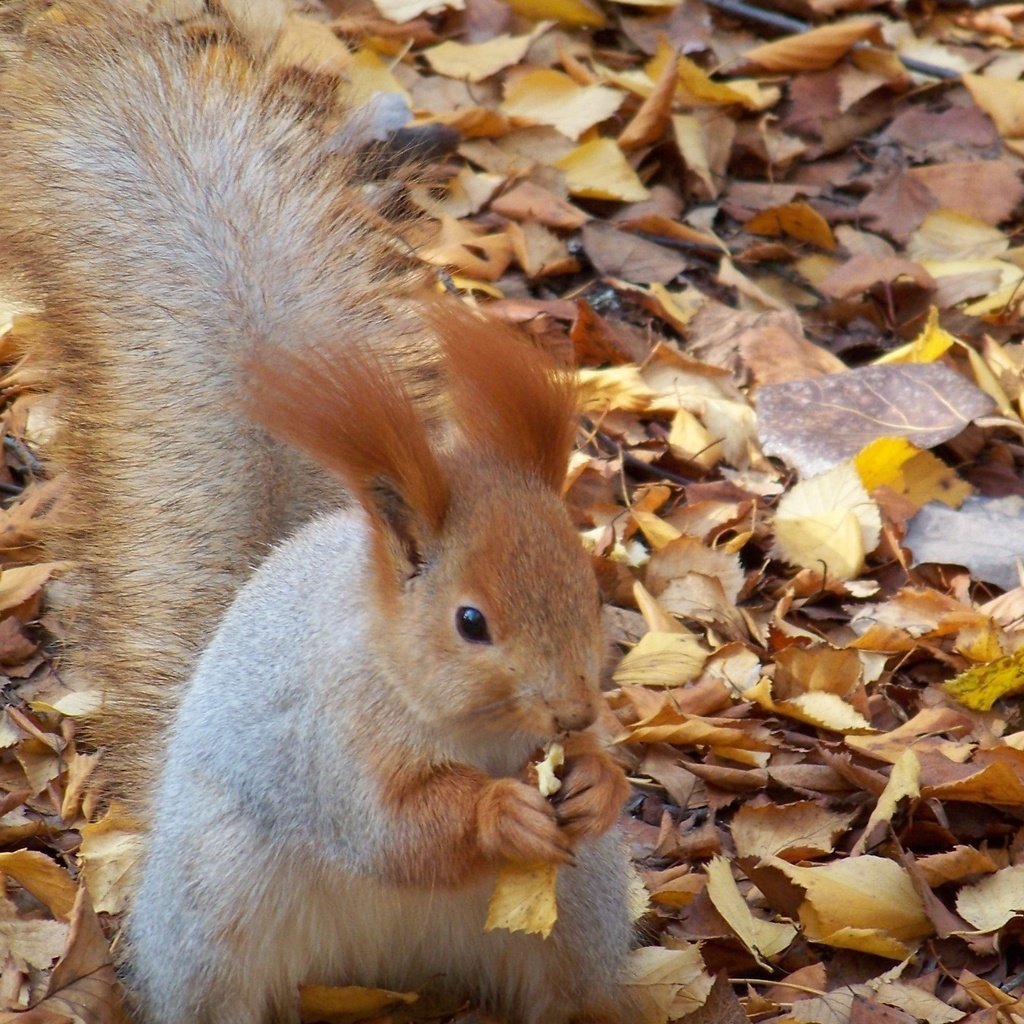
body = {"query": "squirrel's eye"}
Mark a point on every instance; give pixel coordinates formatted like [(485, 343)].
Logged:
[(472, 625)]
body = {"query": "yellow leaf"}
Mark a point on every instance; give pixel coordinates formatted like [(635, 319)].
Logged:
[(926, 347), (616, 387), (76, 704), (698, 85), (662, 659), (326, 1003), (467, 284), (815, 50), (904, 781), (655, 529), (820, 709), (667, 983), (523, 899), (111, 848), (689, 439), (798, 220), (312, 46), (599, 170), (981, 686), (474, 62), (366, 78), (866, 903), (988, 381), (668, 725), (994, 901), (658, 620), (21, 582), (762, 938), (895, 463), (39, 875), (949, 238), (567, 12), (459, 245), (828, 523), (1002, 100), (553, 98), (982, 642)]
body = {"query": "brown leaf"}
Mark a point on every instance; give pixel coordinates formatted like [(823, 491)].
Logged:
[(618, 254), (83, 988), (816, 424)]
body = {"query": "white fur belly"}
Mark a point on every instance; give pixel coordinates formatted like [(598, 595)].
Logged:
[(367, 934)]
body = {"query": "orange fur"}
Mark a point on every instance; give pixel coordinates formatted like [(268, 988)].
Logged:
[(508, 397), (160, 232), (456, 822), (345, 409)]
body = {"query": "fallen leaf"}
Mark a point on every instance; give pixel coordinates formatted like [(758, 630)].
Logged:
[(798, 220), (39, 875), (523, 899), (667, 982), (955, 865), (662, 659), (864, 903), (823, 710), (21, 582), (816, 424), (763, 939), (553, 98), (904, 782), (83, 988), (994, 901), (983, 534), (795, 832), (476, 61), (828, 523), (895, 463), (814, 50), (34, 942), (568, 12), (110, 853), (599, 170), (343, 1004)]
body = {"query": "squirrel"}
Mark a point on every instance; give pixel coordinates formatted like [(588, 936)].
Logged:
[(333, 783)]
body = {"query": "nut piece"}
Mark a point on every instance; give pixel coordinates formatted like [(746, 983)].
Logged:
[(548, 781)]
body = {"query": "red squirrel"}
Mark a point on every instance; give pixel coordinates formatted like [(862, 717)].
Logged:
[(334, 780)]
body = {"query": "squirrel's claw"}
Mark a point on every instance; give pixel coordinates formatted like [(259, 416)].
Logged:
[(514, 822), (592, 794)]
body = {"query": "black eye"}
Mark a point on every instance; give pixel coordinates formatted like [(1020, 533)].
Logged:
[(472, 625)]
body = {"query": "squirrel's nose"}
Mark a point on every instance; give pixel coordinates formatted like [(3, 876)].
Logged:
[(573, 715)]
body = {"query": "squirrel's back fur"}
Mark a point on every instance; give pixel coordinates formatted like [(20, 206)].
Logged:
[(341, 783), (167, 210)]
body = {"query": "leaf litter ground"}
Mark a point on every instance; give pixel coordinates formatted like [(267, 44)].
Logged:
[(786, 268)]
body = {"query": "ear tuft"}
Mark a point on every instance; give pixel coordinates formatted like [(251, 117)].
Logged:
[(345, 409), (509, 398)]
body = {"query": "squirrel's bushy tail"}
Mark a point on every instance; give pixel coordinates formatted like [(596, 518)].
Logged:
[(166, 211)]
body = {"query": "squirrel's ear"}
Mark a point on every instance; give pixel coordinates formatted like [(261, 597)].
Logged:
[(404, 531), (349, 412), (508, 397)]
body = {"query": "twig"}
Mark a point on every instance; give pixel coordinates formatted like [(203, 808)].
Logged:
[(638, 465)]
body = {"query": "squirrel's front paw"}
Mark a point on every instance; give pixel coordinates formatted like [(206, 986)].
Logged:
[(593, 791), (514, 822)]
